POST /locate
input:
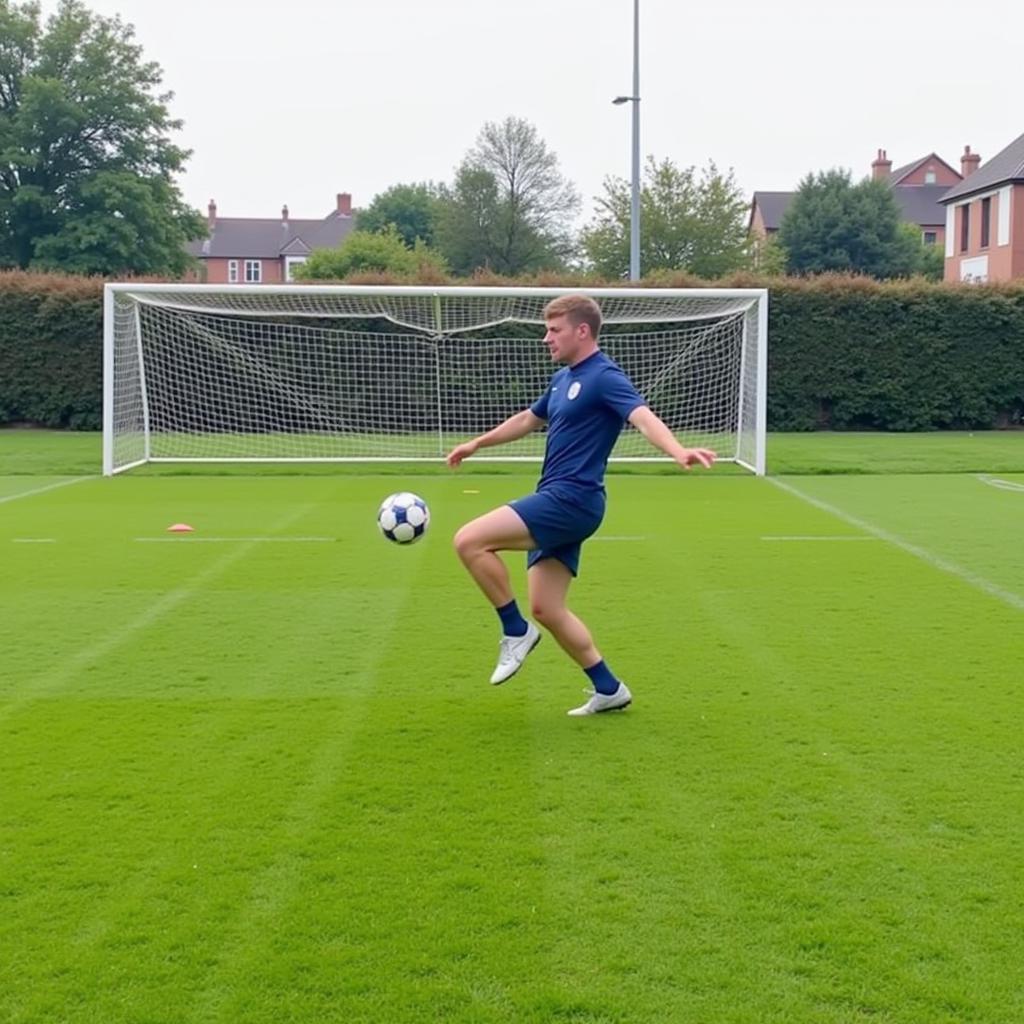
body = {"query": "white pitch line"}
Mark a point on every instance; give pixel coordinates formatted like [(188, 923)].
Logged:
[(819, 537), (187, 539), (614, 538), (33, 540), (43, 490), (936, 561), (73, 665), (1003, 485)]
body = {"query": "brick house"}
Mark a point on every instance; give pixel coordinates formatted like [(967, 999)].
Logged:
[(252, 250), (766, 213), (985, 219), (917, 188)]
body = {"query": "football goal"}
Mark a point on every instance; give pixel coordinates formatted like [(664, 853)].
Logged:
[(265, 373)]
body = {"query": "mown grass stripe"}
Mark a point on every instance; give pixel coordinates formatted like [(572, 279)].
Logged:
[(936, 561), (44, 490)]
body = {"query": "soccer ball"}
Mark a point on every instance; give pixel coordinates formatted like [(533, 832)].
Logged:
[(403, 517)]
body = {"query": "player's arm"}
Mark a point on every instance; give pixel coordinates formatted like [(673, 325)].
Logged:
[(512, 429), (657, 433)]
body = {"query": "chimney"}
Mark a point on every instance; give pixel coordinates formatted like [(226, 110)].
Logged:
[(881, 166), (344, 204), (969, 162), (211, 215), (284, 214)]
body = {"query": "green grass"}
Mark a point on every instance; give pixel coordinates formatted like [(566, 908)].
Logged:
[(265, 780), (80, 454)]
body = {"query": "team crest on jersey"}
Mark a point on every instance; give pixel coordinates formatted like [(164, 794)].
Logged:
[(574, 389)]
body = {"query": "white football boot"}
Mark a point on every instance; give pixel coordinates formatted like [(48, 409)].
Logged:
[(599, 702), (513, 652)]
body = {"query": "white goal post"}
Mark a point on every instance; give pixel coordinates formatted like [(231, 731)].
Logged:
[(326, 373)]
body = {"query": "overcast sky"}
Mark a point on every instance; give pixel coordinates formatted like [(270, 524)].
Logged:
[(292, 102)]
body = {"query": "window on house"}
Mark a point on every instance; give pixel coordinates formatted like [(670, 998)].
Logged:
[(986, 216), (289, 266), (930, 237), (253, 271), (965, 226), (929, 177), (232, 271)]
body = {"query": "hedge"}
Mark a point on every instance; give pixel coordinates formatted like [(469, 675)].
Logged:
[(844, 352), (51, 350), (855, 354)]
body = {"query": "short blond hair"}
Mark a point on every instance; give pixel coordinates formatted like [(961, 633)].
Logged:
[(580, 309)]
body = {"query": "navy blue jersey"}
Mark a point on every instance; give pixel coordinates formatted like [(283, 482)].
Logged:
[(586, 406)]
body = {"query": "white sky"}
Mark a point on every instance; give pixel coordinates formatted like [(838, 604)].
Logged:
[(293, 102)]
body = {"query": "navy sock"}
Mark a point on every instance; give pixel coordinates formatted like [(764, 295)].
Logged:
[(512, 621), (602, 677)]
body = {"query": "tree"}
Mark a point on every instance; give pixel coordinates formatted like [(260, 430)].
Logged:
[(366, 251), (412, 209), (932, 261), (509, 206), (833, 225), (687, 222), (929, 258), (86, 163), (767, 257), (468, 220)]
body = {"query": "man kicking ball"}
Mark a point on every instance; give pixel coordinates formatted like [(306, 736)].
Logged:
[(585, 407)]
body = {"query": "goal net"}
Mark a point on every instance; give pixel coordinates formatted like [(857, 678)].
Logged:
[(269, 373)]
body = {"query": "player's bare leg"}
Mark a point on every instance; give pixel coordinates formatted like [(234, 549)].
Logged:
[(549, 581), (477, 545)]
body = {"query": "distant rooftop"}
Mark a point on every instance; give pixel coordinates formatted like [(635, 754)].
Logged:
[(773, 206), (271, 237), (1005, 167)]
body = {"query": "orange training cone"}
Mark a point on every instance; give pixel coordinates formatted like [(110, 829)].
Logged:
[(180, 528)]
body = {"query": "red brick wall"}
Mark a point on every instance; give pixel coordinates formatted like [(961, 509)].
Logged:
[(757, 223), (1017, 232), (217, 271), (943, 175), (1005, 262)]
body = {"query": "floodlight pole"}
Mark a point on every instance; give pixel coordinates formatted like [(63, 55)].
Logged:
[(634, 210)]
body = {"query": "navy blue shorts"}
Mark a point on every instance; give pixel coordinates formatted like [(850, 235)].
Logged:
[(559, 525)]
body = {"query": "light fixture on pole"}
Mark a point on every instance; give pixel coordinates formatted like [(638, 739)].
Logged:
[(634, 211)]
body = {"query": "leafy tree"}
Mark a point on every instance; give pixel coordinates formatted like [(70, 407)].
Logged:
[(929, 258), (86, 162), (412, 209), (834, 225), (468, 220), (767, 257), (687, 222), (932, 261), (509, 205), (366, 251)]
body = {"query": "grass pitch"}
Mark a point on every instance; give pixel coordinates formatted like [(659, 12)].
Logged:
[(256, 773)]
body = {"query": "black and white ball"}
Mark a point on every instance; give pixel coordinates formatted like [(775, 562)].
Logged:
[(403, 517)]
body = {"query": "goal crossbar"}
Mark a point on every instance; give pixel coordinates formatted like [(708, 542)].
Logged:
[(324, 373)]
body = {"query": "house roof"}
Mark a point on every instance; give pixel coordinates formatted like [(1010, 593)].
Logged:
[(268, 238), (773, 207), (921, 204), (895, 177), (1005, 167)]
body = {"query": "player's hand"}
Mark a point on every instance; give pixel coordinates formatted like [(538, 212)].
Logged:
[(696, 457), (460, 452)]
